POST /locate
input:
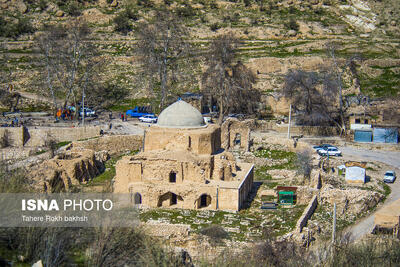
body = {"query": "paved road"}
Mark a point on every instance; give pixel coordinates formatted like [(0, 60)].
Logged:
[(392, 158)]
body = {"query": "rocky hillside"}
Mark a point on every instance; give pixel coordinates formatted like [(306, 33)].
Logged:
[(278, 35)]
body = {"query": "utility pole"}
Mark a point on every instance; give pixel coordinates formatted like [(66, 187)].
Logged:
[(83, 107), (290, 118), (334, 224)]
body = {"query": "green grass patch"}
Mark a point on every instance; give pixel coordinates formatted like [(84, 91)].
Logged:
[(384, 85), (285, 160), (109, 172), (61, 144)]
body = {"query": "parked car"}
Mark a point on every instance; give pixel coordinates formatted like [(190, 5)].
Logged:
[(389, 177), (148, 118), (138, 112), (88, 112), (323, 146), (331, 151)]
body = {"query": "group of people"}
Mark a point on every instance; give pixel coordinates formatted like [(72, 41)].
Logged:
[(65, 114)]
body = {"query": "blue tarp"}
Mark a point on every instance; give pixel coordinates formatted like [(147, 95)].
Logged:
[(363, 136), (385, 135)]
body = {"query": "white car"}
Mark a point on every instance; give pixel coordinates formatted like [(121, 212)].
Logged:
[(88, 112), (148, 118), (331, 151), (389, 177)]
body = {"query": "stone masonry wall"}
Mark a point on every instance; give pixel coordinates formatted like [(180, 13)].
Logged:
[(34, 137), (308, 212)]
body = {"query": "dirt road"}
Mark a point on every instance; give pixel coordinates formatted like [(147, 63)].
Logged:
[(365, 225)]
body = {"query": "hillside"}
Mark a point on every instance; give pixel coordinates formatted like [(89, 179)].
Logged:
[(277, 35)]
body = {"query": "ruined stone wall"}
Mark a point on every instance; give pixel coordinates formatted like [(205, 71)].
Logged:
[(17, 153), (66, 169), (14, 135), (114, 144), (308, 212), (235, 134), (35, 136), (307, 130)]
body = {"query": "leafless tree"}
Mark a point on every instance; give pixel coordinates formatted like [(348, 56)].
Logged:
[(304, 163), (230, 83), (337, 71), (70, 60), (313, 96), (161, 49)]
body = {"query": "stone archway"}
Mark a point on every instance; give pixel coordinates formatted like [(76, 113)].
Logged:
[(203, 201), (169, 199), (137, 198)]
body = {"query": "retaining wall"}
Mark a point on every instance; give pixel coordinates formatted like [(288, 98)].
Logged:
[(308, 212), (112, 143), (36, 136)]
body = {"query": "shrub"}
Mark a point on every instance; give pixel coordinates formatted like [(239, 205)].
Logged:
[(216, 233), (213, 5), (122, 23), (215, 26), (304, 163), (42, 4), (73, 9), (185, 12), (145, 3), (13, 30), (292, 25), (131, 13), (5, 139)]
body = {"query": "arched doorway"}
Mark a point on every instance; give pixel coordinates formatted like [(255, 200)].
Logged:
[(137, 199), (172, 177), (203, 201), (238, 140), (169, 199)]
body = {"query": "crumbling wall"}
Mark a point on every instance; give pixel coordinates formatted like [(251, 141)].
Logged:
[(235, 134), (72, 167), (308, 212), (36, 137), (14, 135), (307, 130), (113, 144)]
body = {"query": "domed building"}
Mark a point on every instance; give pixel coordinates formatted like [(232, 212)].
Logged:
[(182, 165)]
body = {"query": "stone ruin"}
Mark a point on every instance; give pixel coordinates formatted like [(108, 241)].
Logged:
[(71, 167), (182, 165)]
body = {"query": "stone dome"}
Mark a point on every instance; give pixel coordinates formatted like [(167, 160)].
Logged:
[(180, 115)]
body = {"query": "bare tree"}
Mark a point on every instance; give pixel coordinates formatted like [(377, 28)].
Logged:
[(229, 83), (70, 60), (161, 48), (304, 164), (337, 72), (313, 97)]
